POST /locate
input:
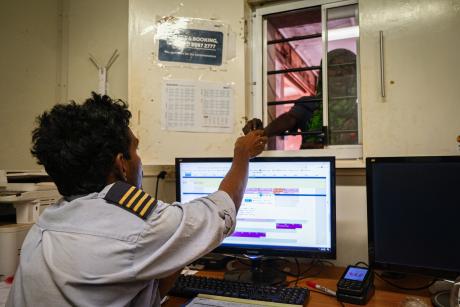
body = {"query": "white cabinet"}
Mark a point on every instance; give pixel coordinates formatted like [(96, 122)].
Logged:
[(420, 113)]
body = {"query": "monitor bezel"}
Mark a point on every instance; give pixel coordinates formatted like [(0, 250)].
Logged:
[(276, 251), (386, 266)]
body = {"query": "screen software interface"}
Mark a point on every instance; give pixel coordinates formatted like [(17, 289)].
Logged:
[(286, 204)]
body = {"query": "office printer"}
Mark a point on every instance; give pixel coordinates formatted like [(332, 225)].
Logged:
[(23, 196)]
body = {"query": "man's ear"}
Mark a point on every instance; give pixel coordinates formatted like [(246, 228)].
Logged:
[(119, 166)]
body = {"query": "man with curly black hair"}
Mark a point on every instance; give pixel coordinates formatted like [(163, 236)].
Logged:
[(107, 242)]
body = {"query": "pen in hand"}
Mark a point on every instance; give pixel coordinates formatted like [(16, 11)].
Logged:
[(165, 298), (321, 288)]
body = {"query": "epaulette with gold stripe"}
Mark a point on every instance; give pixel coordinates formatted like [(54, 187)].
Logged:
[(131, 198)]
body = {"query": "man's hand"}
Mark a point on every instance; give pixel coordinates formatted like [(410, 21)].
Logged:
[(253, 124), (250, 145)]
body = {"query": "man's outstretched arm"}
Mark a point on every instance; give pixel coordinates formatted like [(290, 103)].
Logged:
[(282, 123), (246, 147), (234, 183)]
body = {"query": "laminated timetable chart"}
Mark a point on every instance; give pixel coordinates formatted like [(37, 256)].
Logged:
[(196, 106), (280, 207)]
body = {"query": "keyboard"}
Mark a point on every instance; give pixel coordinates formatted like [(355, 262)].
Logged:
[(191, 285)]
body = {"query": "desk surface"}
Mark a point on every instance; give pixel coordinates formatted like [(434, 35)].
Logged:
[(385, 295)]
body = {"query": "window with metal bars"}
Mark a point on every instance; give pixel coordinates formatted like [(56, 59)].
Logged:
[(301, 47)]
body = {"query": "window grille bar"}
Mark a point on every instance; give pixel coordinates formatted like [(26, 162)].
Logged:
[(283, 71), (294, 38), (282, 102)]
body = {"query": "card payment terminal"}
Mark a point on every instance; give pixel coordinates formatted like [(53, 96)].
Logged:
[(356, 285)]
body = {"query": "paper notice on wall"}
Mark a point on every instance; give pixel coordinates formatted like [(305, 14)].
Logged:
[(195, 106)]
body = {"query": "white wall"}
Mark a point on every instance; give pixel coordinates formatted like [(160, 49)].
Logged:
[(44, 60), (29, 60), (157, 146), (351, 216), (97, 28)]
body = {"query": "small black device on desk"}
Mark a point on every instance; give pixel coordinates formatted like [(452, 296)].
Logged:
[(191, 285), (356, 285)]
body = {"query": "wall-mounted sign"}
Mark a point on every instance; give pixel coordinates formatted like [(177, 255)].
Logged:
[(192, 46), (192, 42)]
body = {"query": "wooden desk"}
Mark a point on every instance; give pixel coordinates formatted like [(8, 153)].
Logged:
[(385, 295)]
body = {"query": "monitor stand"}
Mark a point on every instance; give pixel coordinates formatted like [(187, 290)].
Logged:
[(258, 273)]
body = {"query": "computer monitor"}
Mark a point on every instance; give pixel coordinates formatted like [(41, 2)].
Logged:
[(413, 214), (288, 208)]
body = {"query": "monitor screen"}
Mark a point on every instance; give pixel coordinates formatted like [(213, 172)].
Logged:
[(413, 214), (288, 207)]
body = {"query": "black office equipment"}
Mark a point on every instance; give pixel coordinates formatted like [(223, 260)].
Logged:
[(413, 214), (356, 285), (191, 285), (288, 209)]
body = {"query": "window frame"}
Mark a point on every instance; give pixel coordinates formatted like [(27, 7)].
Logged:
[(258, 107)]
